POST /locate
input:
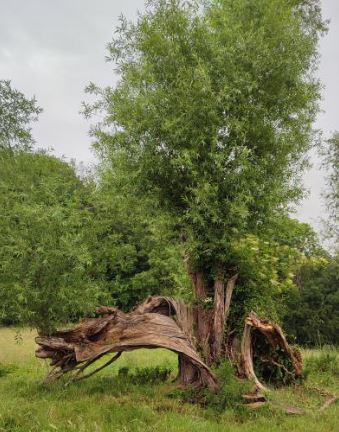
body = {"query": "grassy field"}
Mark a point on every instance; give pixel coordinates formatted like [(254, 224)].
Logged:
[(108, 402)]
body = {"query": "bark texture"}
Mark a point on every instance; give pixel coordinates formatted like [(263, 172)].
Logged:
[(210, 323), (276, 339), (203, 317), (148, 326)]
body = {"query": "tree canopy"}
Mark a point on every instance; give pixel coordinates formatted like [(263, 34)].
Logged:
[(211, 121), (213, 112)]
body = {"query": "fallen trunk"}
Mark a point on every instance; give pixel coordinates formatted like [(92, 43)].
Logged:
[(72, 351)]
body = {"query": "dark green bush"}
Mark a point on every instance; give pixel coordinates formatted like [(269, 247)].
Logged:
[(148, 375), (6, 369)]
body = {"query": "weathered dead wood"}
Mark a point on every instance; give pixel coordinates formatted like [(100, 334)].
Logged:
[(228, 294), (159, 322), (109, 362), (148, 326), (328, 402), (292, 410), (217, 337), (276, 339), (254, 397), (183, 316)]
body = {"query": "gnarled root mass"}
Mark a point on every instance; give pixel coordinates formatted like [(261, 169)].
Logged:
[(150, 325)]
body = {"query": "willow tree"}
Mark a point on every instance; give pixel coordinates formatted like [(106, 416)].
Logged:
[(212, 118), (16, 114)]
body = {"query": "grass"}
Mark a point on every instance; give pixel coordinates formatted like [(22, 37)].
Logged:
[(111, 401)]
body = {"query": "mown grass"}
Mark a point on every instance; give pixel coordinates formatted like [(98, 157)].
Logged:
[(112, 402)]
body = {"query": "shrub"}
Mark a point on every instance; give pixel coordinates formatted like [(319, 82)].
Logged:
[(148, 375), (6, 369)]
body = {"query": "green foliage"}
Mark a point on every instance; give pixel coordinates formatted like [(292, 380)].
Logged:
[(6, 369), (266, 270), (269, 267), (311, 314), (330, 154), (134, 251), (43, 256), (210, 124), (16, 114), (272, 366), (201, 152), (70, 244), (213, 111)]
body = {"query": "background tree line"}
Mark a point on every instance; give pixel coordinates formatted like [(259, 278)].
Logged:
[(200, 155)]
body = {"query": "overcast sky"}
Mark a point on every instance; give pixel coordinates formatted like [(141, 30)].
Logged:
[(53, 49)]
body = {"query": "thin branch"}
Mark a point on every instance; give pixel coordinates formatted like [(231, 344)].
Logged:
[(113, 359)]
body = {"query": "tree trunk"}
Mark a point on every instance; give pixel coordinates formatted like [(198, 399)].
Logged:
[(210, 322), (222, 302), (228, 295), (203, 317), (217, 338)]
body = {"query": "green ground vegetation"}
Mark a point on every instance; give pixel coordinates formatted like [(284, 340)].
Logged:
[(127, 396)]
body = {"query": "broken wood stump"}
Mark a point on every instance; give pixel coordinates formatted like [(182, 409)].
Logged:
[(276, 341)]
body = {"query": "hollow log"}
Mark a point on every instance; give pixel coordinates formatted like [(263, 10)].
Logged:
[(276, 339), (148, 326)]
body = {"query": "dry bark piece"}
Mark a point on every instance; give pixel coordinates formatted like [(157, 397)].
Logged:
[(292, 410), (276, 339), (328, 402), (115, 332), (254, 397)]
